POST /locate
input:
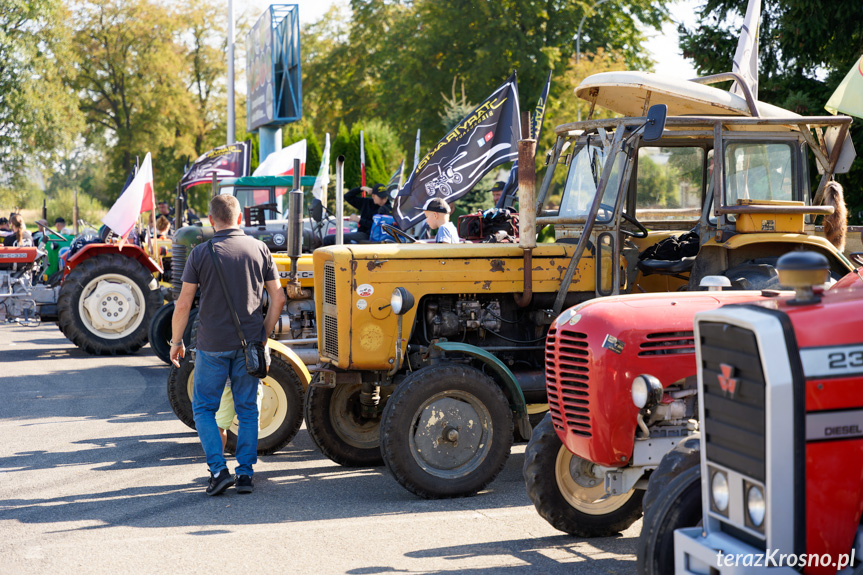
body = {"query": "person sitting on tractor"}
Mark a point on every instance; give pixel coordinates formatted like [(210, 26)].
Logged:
[(163, 226), (20, 237), (437, 214), (377, 203), (496, 191), (60, 226)]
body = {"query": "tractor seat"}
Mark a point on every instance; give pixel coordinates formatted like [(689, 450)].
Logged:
[(667, 267)]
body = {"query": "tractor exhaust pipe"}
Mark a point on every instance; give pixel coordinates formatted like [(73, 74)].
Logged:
[(340, 200), (526, 207), (295, 234)]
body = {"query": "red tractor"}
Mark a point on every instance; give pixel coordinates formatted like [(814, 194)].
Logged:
[(775, 483), (587, 462), (103, 303)]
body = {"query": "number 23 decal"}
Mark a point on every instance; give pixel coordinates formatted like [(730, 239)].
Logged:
[(842, 360)]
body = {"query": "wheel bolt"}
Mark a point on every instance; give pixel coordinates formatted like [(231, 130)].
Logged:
[(450, 434)]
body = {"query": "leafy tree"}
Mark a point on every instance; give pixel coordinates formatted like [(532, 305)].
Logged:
[(38, 117)]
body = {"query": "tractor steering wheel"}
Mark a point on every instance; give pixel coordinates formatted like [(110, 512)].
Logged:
[(397, 235), (642, 231)]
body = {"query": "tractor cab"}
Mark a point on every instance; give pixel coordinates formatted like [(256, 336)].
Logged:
[(632, 197)]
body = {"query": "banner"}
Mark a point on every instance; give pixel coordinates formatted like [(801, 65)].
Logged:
[(281, 163), (745, 60), (511, 187), (231, 161), (486, 138), (396, 178), (848, 97)]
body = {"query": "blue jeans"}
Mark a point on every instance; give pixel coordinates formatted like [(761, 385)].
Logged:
[(212, 369)]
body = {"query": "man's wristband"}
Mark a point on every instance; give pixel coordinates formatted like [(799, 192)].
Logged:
[(178, 343)]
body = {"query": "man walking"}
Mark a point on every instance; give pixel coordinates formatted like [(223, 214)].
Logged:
[(249, 268)]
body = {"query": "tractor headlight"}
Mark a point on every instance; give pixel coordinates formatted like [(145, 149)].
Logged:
[(646, 391), (719, 491), (401, 301), (756, 507)]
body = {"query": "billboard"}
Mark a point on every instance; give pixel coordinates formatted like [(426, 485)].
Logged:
[(273, 85)]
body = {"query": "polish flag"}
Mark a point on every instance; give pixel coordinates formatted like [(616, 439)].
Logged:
[(136, 199), (281, 163)]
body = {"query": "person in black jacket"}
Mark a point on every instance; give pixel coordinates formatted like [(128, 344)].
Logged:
[(378, 202)]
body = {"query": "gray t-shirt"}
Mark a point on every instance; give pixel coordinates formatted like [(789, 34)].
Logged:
[(447, 234), (247, 264)]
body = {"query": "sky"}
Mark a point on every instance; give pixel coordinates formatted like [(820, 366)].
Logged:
[(663, 46)]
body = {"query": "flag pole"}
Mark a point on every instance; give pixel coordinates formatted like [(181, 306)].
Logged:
[(362, 162)]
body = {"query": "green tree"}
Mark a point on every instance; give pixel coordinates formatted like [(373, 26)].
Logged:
[(38, 117)]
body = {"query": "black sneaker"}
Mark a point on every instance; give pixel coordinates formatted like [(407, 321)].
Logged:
[(244, 484), (220, 482)]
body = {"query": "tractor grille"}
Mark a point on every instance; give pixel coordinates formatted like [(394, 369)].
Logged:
[(178, 263), (734, 418), (567, 378), (668, 343), (330, 283), (330, 311)]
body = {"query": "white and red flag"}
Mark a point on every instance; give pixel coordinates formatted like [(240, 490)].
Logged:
[(281, 163), (137, 198)]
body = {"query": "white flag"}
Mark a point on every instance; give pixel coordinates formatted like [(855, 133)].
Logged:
[(746, 57), (281, 163), (133, 201), (319, 191)]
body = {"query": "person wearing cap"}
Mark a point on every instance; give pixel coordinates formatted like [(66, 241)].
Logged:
[(437, 214), (377, 203), (496, 191)]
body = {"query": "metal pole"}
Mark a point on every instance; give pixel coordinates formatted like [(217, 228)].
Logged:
[(340, 200), (75, 213), (231, 135)]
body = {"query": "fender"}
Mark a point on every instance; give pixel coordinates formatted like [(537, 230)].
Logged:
[(129, 250), (292, 358), (505, 377)]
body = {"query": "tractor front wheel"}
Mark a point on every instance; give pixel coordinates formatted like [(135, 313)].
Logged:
[(567, 493), (446, 431), (160, 334), (338, 428), (106, 304)]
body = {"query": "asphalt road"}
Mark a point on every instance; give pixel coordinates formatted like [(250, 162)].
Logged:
[(98, 476)]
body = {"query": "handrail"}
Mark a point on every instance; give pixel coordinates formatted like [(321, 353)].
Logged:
[(734, 76), (793, 121), (764, 209)]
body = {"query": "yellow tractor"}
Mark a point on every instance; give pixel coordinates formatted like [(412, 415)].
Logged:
[(430, 353)]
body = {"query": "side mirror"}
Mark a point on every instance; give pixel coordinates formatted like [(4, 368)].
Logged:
[(655, 122), (317, 210)]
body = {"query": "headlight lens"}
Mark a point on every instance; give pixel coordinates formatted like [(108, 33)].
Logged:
[(396, 302), (639, 392), (755, 505), (719, 491)]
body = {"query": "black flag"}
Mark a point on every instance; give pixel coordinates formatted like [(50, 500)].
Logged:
[(486, 138), (231, 161), (507, 197)]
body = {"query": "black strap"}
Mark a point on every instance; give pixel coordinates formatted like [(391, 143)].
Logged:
[(236, 319)]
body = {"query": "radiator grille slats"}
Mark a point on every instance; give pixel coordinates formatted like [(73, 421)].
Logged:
[(668, 343), (568, 379), (179, 256), (330, 311)]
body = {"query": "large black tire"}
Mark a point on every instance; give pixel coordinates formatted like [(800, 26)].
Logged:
[(678, 506), (159, 332), (575, 505), (180, 390), (446, 431), (337, 427), (131, 297), (281, 407), (685, 455)]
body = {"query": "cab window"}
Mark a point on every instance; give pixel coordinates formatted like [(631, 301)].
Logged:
[(669, 183), (758, 171)]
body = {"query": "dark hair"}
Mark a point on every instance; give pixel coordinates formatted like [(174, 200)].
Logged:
[(59, 221), (17, 221), (225, 209), (3, 221)]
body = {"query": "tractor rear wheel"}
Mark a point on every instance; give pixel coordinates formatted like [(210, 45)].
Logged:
[(281, 407), (677, 506), (336, 425), (106, 304), (160, 331), (446, 431), (565, 492)]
